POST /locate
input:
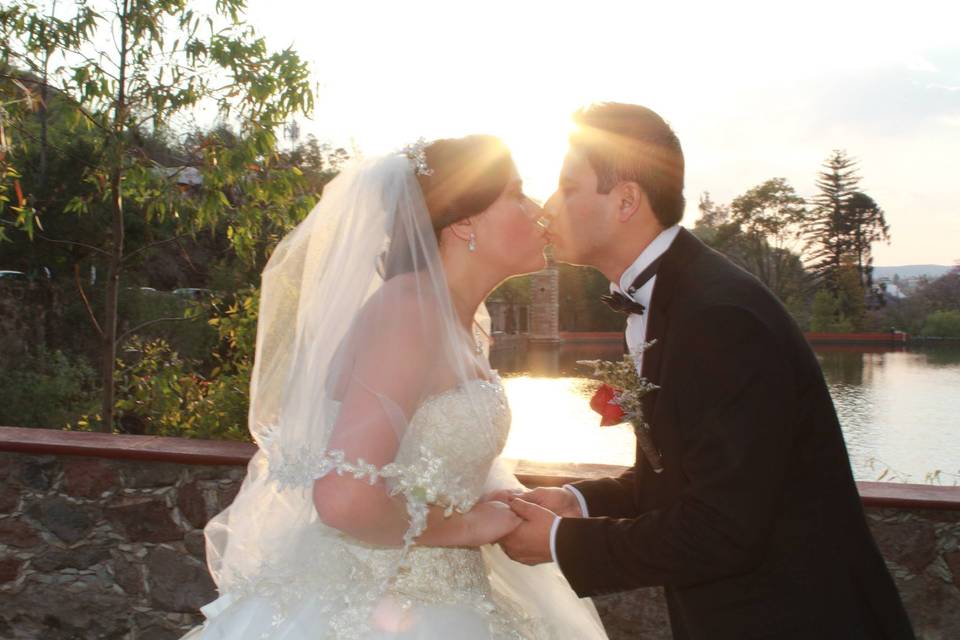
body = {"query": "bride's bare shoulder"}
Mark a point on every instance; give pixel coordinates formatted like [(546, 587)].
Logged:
[(409, 289), (405, 299)]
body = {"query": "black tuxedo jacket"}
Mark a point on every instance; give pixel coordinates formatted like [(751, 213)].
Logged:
[(754, 527)]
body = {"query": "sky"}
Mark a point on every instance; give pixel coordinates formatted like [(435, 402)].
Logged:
[(754, 90)]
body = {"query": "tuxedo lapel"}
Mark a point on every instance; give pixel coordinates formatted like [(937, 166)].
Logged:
[(669, 278)]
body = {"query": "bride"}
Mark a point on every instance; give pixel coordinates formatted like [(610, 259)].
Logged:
[(379, 421)]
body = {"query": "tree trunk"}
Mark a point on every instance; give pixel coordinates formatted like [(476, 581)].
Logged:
[(116, 231), (112, 302)]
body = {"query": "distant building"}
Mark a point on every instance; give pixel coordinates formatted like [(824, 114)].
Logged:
[(545, 307), (187, 178)]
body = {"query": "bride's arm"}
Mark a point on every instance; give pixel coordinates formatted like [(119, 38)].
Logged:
[(369, 514), (382, 384)]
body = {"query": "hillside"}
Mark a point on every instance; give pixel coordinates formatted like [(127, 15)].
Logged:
[(911, 271)]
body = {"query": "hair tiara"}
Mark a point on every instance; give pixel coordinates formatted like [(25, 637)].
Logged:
[(417, 155)]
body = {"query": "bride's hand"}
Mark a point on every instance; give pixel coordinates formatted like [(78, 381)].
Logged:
[(556, 499), (488, 522), (503, 495)]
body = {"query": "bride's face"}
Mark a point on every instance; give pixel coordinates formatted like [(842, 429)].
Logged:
[(507, 235)]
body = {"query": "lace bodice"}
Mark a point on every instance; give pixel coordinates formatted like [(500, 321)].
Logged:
[(453, 455), (443, 458), (450, 448)]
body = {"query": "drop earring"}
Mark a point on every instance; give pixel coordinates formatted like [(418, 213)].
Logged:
[(472, 242)]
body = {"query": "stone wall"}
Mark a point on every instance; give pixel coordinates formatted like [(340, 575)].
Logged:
[(102, 545), (100, 548)]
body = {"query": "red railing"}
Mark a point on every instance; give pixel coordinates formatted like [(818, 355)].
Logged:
[(892, 337), (191, 451)]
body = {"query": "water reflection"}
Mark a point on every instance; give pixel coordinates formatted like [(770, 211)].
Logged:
[(898, 408), (553, 361)]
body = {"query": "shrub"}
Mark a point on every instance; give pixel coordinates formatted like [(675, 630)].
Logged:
[(161, 393), (942, 324), (826, 315), (47, 389)]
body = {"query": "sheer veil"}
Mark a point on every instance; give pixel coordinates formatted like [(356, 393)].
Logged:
[(356, 330)]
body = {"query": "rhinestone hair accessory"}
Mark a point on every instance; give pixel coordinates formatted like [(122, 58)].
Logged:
[(417, 155)]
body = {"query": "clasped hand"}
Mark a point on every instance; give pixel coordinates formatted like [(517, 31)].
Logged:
[(528, 539)]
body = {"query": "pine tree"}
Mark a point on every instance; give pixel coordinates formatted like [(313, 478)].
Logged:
[(830, 232)]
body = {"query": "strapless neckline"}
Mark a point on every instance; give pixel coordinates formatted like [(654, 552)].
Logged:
[(494, 384)]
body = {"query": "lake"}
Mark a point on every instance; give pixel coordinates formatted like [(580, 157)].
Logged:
[(899, 408)]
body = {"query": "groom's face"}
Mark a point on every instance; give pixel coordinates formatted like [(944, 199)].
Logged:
[(578, 214)]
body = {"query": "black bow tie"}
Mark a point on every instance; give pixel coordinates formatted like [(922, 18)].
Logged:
[(622, 304), (625, 304)]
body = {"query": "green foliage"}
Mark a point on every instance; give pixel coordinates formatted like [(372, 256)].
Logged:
[(828, 231), (179, 321), (770, 218), (712, 214), (513, 290), (801, 310), (160, 393), (840, 312), (46, 389), (868, 225), (824, 312), (942, 324), (169, 60)]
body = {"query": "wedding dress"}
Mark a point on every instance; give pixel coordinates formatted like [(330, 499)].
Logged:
[(439, 592), (336, 307)]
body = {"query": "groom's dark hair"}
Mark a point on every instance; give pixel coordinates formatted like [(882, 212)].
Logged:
[(630, 143)]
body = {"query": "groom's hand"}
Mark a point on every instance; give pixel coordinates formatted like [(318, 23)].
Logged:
[(556, 499), (529, 542)]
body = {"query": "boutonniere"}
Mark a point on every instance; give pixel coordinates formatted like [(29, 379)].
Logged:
[(619, 398)]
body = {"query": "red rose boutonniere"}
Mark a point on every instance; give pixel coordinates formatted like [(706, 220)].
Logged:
[(619, 399), (604, 403)]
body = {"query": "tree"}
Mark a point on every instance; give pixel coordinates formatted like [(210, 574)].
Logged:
[(841, 311), (712, 217), (759, 231), (845, 224), (867, 226), (168, 60), (770, 216), (716, 228), (829, 233)]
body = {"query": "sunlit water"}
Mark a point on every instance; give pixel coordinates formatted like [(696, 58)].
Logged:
[(900, 410)]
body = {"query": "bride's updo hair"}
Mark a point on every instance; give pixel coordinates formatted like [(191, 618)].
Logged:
[(469, 174)]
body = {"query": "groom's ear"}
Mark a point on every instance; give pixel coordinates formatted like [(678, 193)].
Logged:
[(630, 199)]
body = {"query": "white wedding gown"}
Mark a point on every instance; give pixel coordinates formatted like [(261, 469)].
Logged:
[(438, 593)]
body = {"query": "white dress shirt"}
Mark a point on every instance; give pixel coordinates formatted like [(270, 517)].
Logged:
[(636, 332)]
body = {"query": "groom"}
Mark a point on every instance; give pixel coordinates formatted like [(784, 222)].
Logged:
[(754, 527)]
